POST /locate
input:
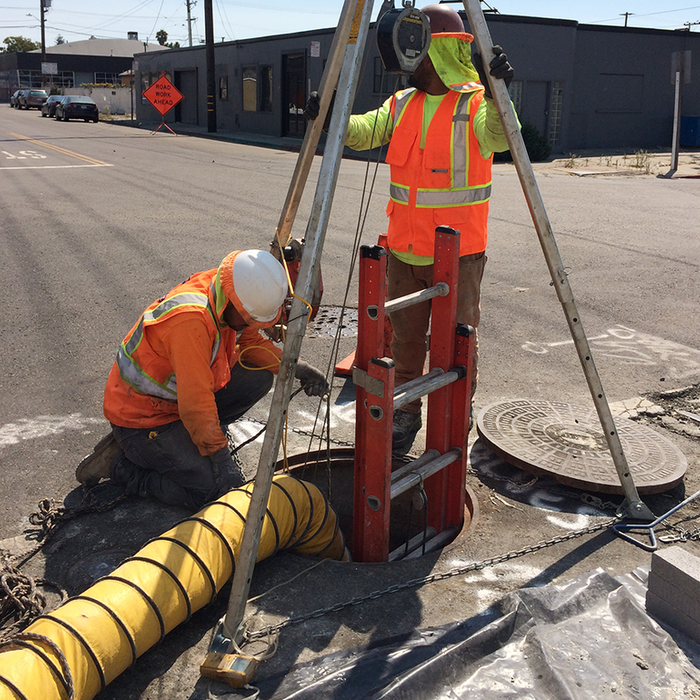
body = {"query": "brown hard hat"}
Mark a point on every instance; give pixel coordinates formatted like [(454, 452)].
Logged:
[(443, 19)]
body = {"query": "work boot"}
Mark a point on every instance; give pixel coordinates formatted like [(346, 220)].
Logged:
[(406, 427), (96, 465)]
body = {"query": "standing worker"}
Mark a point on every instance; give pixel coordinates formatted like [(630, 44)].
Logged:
[(193, 363), (442, 135)]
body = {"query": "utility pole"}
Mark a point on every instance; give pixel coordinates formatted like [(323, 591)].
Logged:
[(44, 8), (626, 15), (211, 74), (190, 4)]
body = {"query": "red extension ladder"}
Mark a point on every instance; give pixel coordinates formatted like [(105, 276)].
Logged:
[(441, 470)]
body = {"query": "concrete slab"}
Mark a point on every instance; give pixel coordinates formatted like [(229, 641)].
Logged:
[(678, 567), (662, 610), (682, 599)]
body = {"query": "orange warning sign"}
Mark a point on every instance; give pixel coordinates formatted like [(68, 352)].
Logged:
[(163, 95)]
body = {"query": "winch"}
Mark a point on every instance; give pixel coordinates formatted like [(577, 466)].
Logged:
[(403, 38)]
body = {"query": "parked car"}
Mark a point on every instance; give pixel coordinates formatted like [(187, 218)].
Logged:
[(14, 98), (48, 109), (77, 107), (32, 98)]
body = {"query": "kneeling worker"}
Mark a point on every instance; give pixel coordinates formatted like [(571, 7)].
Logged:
[(194, 362)]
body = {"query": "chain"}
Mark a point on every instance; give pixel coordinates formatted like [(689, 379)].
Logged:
[(433, 578), (683, 534)]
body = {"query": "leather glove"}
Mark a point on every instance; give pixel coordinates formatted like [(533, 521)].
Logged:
[(498, 68), (313, 106), (313, 381)]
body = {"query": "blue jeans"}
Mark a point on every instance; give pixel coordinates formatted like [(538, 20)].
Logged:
[(162, 462)]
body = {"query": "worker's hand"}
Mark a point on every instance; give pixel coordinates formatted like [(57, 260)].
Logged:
[(227, 473), (313, 106), (499, 67), (313, 381)]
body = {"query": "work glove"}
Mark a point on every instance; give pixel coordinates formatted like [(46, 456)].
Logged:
[(498, 68), (313, 381), (313, 106), (227, 473)]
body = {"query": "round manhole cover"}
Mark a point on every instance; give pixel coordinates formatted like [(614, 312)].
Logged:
[(566, 442)]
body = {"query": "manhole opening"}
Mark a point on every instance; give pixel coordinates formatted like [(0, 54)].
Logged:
[(406, 521)]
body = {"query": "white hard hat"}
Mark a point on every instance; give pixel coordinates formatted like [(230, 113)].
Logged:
[(255, 282)]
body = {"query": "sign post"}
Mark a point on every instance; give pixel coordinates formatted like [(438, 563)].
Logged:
[(163, 95), (680, 75)]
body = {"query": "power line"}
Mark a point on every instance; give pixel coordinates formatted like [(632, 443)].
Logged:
[(648, 14)]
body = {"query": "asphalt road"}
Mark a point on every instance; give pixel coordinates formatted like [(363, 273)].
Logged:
[(99, 219)]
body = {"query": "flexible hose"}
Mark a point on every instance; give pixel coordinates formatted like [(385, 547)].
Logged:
[(96, 635)]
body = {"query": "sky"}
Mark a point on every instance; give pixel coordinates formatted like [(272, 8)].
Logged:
[(241, 20)]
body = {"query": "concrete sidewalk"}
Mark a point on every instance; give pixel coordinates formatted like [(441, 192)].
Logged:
[(583, 163)]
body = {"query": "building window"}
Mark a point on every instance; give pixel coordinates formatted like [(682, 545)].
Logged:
[(555, 112), (250, 89), (34, 79), (223, 87), (515, 90), (266, 89), (111, 78)]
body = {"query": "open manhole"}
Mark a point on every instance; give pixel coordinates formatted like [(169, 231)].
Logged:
[(333, 473), (566, 442)]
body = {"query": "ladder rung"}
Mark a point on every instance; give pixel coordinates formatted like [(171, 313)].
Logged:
[(414, 464), (413, 544), (417, 476), (440, 540), (441, 289), (432, 381)]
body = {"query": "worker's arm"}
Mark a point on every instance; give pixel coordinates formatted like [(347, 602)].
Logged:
[(488, 129), (370, 130), (187, 344)]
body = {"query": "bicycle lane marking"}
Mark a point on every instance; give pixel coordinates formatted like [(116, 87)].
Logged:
[(87, 160)]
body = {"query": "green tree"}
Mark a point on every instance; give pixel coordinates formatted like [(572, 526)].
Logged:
[(173, 45), (60, 40), (162, 36), (18, 44)]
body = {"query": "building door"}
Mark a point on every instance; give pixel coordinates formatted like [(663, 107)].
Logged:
[(536, 108), (294, 95), (186, 109)]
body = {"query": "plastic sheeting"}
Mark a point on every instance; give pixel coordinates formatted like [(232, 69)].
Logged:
[(589, 638)]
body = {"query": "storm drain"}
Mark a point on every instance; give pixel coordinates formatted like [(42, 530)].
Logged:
[(325, 325)]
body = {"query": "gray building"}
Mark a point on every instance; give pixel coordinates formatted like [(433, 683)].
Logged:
[(582, 86)]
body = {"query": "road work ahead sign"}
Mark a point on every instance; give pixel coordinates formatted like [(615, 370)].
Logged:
[(163, 95)]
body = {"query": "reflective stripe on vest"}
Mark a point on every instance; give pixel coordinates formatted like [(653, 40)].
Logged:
[(460, 193), (129, 369)]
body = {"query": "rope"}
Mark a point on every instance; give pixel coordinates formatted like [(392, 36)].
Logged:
[(21, 601), (365, 202)]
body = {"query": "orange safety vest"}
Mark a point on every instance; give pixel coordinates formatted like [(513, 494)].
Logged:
[(446, 183), (143, 375)]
